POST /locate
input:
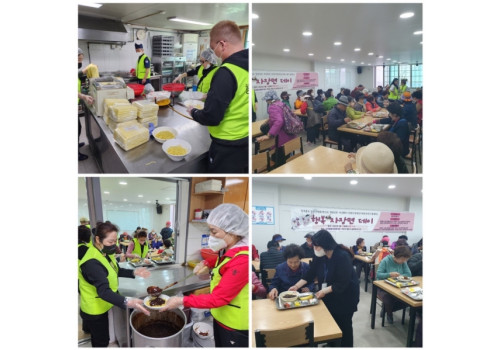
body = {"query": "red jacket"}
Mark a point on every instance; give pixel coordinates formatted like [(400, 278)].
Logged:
[(255, 253), (234, 278), (369, 107)]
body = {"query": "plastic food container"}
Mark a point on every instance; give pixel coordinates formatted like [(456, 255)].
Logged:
[(138, 88)]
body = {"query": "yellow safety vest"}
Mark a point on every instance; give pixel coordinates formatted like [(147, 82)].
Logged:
[(204, 86), (79, 89), (90, 302), (253, 100), (140, 70), (235, 314), (394, 95), (234, 124), (137, 248)]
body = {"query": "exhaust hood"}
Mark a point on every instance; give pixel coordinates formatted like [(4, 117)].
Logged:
[(102, 30)]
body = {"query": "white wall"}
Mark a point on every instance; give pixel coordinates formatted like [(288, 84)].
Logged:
[(283, 198)]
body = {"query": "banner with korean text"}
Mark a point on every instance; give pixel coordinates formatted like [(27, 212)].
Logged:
[(284, 81), (315, 219)]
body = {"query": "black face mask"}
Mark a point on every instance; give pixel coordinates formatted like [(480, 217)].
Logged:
[(286, 98), (80, 64), (108, 249)]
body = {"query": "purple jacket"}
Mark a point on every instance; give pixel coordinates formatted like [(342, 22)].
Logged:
[(276, 123)]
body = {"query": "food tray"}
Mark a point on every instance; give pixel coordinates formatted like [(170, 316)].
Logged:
[(140, 264), (416, 293), (281, 305), (355, 125), (164, 262), (400, 284)]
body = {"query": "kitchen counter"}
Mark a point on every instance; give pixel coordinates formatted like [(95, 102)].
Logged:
[(149, 157), (161, 276)]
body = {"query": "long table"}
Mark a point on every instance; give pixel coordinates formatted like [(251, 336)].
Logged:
[(256, 127), (396, 292), (267, 316), (321, 160), (148, 157), (366, 119)]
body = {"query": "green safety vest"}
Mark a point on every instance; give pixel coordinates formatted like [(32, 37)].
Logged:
[(200, 72), (90, 302), (402, 89), (235, 314), (79, 88), (394, 95), (140, 70), (253, 101), (137, 248), (234, 124), (205, 83)]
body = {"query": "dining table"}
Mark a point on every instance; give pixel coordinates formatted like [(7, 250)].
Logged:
[(320, 160), (256, 127), (396, 292), (266, 316), (362, 122)]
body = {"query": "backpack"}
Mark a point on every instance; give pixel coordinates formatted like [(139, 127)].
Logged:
[(293, 125)]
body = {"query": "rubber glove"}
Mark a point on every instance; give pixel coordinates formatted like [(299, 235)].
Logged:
[(137, 304)]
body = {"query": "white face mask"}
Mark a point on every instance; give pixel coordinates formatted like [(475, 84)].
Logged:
[(208, 66), (319, 253), (139, 53), (216, 244)]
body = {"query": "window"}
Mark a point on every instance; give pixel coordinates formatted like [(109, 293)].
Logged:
[(385, 74)]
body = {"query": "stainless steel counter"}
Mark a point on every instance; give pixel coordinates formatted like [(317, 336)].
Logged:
[(149, 157), (161, 277)]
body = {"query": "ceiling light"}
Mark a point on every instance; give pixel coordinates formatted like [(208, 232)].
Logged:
[(175, 19), (337, 43), (418, 32), (391, 187), (125, 199), (341, 60), (354, 182), (307, 33), (253, 44), (286, 50), (328, 58), (148, 202), (362, 62), (380, 56), (106, 192), (406, 15), (353, 61), (122, 183), (255, 16), (310, 54), (140, 196), (357, 49), (307, 177), (370, 53), (91, 5), (369, 64), (388, 59)]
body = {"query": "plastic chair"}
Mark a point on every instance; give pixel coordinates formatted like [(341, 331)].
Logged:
[(299, 336), (291, 147), (324, 132)]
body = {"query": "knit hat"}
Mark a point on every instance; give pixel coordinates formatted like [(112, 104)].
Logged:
[(376, 158), (271, 95), (168, 223), (343, 100), (406, 96)]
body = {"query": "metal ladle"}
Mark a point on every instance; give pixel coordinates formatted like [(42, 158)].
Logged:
[(155, 291)]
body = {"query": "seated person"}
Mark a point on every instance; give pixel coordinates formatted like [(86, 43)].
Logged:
[(290, 272), (357, 249), (258, 289), (156, 242), (398, 125), (308, 246), (271, 258), (384, 250), (359, 104), (376, 245), (351, 112), (255, 253), (392, 141), (168, 251), (371, 105), (376, 158), (395, 243), (415, 264), (336, 118), (393, 266)]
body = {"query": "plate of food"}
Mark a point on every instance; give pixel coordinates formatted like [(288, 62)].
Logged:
[(415, 293), (289, 296), (155, 303), (203, 330), (404, 278)]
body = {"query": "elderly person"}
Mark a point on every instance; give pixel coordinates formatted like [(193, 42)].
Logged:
[(229, 288), (337, 117), (376, 158), (392, 141), (276, 123), (393, 266), (225, 112), (285, 98), (314, 111), (290, 272), (332, 266), (205, 70), (330, 100), (398, 125)]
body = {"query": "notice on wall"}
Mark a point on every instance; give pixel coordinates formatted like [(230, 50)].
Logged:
[(284, 81), (262, 215), (315, 219)]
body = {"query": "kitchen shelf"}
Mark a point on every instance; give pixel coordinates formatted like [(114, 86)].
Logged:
[(199, 220), (208, 193)]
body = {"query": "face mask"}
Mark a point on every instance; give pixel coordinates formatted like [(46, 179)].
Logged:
[(320, 253), (139, 53), (108, 249), (208, 66), (216, 244), (80, 64)]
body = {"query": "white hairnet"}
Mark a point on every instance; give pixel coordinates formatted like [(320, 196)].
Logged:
[(209, 56), (230, 218)]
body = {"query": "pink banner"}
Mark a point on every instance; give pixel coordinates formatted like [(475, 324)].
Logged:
[(394, 222), (305, 80), (283, 81)]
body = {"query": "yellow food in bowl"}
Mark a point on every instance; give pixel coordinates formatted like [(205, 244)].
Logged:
[(135, 260), (177, 151), (165, 135)]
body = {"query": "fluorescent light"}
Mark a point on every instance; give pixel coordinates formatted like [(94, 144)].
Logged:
[(307, 33), (391, 187), (140, 196), (337, 43), (307, 177), (362, 62), (406, 15), (357, 49), (148, 202), (91, 5), (125, 199), (370, 53), (122, 183), (369, 64), (255, 16), (311, 54), (341, 60), (388, 59), (253, 44), (380, 56), (175, 19), (353, 61), (354, 182), (418, 32), (106, 192), (328, 58), (286, 50)]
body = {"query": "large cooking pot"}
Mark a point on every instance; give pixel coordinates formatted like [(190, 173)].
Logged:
[(160, 329)]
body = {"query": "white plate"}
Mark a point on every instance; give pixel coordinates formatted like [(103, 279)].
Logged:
[(202, 327), (194, 103), (402, 279), (148, 298)]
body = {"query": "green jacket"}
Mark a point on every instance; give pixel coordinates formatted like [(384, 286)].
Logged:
[(330, 103)]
